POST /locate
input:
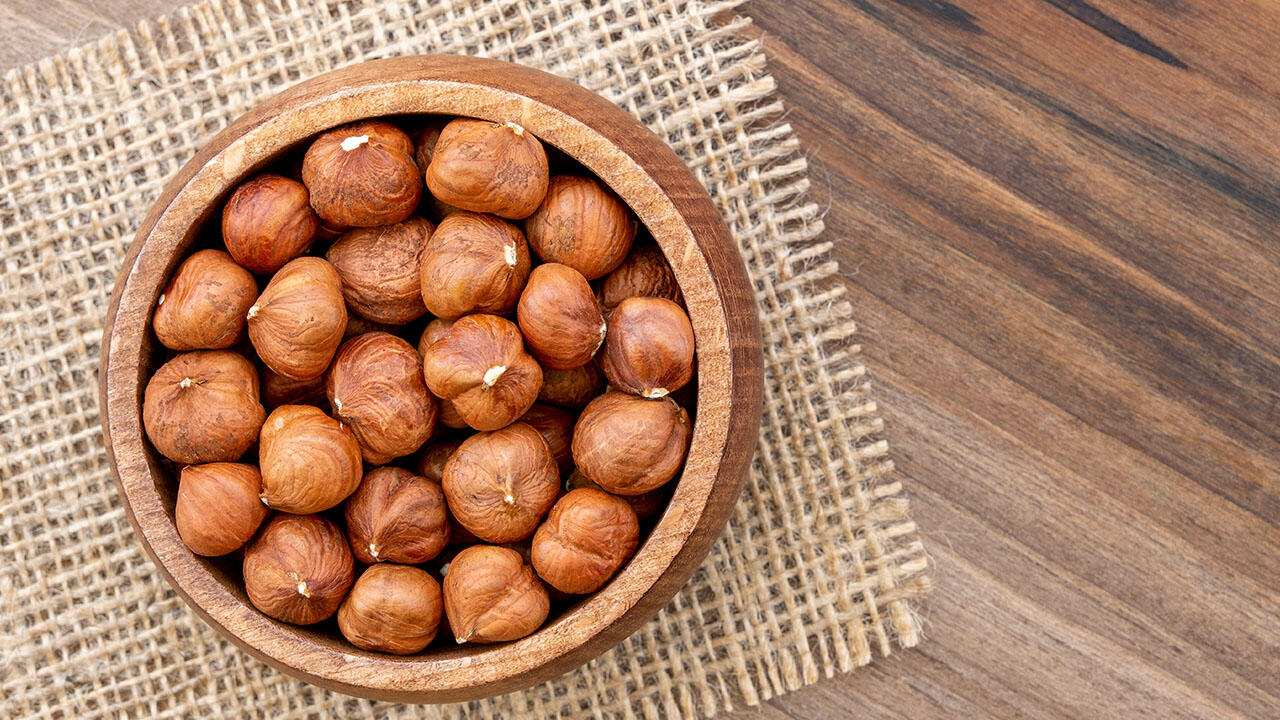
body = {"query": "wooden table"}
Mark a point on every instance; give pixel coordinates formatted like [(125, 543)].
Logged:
[(1060, 223)]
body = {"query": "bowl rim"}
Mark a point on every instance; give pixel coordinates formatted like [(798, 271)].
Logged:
[(645, 173)]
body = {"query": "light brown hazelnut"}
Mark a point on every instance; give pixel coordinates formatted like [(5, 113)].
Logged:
[(555, 425), (375, 387), (267, 222), (434, 330), (649, 349), (588, 535), (583, 225), (279, 390), (218, 509), (203, 407), (500, 484), (362, 175), (432, 458), (629, 445), (482, 368), (309, 461), (203, 306), (645, 273), (379, 268), (488, 167), (393, 609), (491, 595), (571, 388), (299, 569), (645, 505), (396, 516), (559, 317), (298, 321), (474, 263)]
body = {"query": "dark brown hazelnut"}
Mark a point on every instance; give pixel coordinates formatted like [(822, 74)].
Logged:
[(357, 325), (279, 390), (379, 268), (203, 407), (555, 425), (500, 484), (474, 263), (375, 387), (449, 416), (298, 321), (488, 167), (203, 306), (629, 445), (396, 516), (432, 458), (649, 348), (267, 222), (559, 317), (645, 273), (588, 535), (583, 225), (218, 509), (571, 388), (491, 595), (393, 609), (299, 569), (482, 368), (434, 330), (309, 461), (424, 138), (645, 505), (362, 175)]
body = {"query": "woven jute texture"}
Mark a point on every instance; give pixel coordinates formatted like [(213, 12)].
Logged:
[(820, 566)]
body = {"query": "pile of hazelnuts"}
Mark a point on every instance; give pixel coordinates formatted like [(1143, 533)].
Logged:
[(345, 470)]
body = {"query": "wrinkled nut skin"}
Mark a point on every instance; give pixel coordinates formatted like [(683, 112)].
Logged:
[(362, 175), (555, 425), (299, 569), (480, 366), (629, 445), (309, 461), (393, 609), (379, 268), (375, 387), (449, 416), (500, 484), (436, 329), (645, 505), (396, 516), (279, 390), (203, 306), (357, 325), (560, 318), (218, 509), (491, 595), (649, 348), (424, 139), (298, 321), (645, 273), (474, 263), (202, 407), (588, 535), (488, 167), (432, 459), (267, 222), (583, 225), (571, 388)]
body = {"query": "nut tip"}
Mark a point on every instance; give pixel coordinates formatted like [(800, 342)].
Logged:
[(516, 128), (492, 374), (354, 142), (509, 254), (253, 313), (655, 393), (185, 383), (160, 301)]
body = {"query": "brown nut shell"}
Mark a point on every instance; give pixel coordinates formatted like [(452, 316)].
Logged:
[(645, 273), (629, 445), (203, 306), (203, 407), (218, 509), (555, 425), (583, 225), (560, 318), (649, 349), (376, 388), (298, 321), (379, 268), (434, 330), (491, 595), (433, 457), (279, 390), (309, 461), (571, 388), (299, 569), (393, 609), (488, 167), (645, 505), (362, 175), (588, 535), (481, 367), (500, 484), (474, 263), (396, 516), (267, 222)]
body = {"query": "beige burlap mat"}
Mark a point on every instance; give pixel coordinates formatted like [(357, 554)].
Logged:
[(820, 565)]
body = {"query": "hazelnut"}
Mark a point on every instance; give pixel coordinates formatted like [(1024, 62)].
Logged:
[(432, 458), (629, 445), (583, 225), (499, 484), (645, 273), (203, 407), (489, 167), (218, 510), (379, 270), (556, 427), (279, 390), (203, 306), (375, 386), (434, 330), (571, 388), (449, 416), (481, 366), (588, 535), (309, 461), (424, 139), (396, 516), (299, 569), (362, 175), (560, 318), (645, 505), (298, 321), (491, 595), (267, 222), (474, 263), (392, 608), (357, 325), (649, 350)]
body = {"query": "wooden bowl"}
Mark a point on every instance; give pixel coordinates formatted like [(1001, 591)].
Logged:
[(644, 172)]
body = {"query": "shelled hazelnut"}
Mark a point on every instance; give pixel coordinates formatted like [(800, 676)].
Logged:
[(645, 273), (203, 306), (500, 484), (376, 388), (267, 222), (432, 458), (379, 269), (649, 349), (555, 425), (218, 508), (362, 175), (571, 388), (480, 366), (629, 445), (396, 516), (309, 461), (392, 608), (488, 167), (202, 407), (491, 595), (581, 224), (474, 264), (298, 569), (588, 535), (560, 318), (297, 322)]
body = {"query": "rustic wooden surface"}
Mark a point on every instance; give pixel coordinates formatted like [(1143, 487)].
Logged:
[(1060, 222)]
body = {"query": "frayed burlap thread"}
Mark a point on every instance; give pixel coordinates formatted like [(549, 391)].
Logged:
[(820, 566)]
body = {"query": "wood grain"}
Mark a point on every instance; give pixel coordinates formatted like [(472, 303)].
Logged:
[(1058, 220)]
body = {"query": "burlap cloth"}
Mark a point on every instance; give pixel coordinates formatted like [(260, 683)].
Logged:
[(820, 565)]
